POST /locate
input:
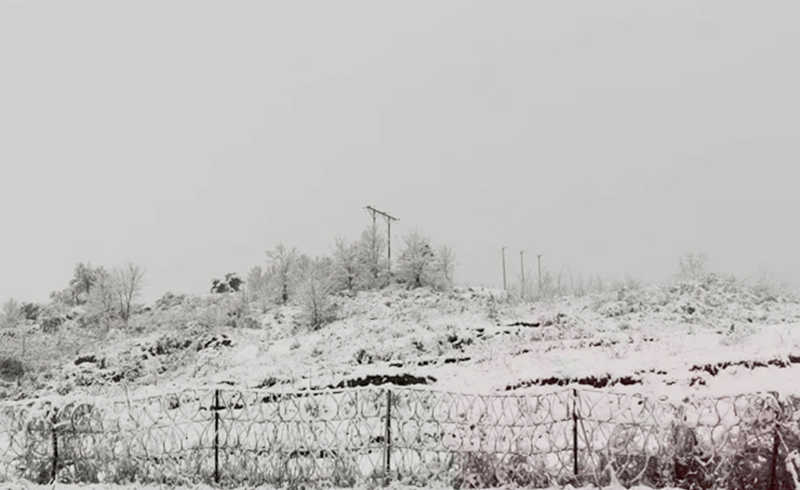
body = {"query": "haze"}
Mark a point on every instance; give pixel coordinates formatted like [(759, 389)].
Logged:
[(191, 136)]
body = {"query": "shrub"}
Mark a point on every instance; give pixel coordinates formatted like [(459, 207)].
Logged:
[(31, 311), (169, 300), (230, 284), (11, 368), (484, 470)]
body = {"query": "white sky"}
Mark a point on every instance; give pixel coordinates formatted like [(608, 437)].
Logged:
[(191, 136)]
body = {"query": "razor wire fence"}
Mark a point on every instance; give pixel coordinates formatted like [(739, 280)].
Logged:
[(348, 437)]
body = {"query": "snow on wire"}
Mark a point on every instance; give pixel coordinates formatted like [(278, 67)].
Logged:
[(373, 435)]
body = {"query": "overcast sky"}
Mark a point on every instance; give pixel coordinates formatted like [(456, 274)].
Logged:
[(191, 136)]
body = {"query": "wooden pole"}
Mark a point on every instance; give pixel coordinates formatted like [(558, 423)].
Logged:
[(505, 286), (389, 246), (539, 261), (389, 218)]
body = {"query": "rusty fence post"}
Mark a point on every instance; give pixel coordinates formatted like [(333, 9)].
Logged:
[(387, 439), (575, 432), (216, 435)]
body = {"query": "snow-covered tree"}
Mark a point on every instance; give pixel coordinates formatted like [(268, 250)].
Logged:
[(372, 258), (282, 266), (128, 282), (257, 287), (692, 266), (102, 303), (83, 277), (346, 269), (11, 315), (417, 262), (445, 266), (315, 290)]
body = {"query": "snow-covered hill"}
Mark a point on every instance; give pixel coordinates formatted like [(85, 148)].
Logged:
[(712, 336)]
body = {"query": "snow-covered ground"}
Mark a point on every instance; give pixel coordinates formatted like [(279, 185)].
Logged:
[(709, 338)]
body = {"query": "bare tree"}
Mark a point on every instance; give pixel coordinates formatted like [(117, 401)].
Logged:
[(282, 268), (128, 282), (315, 290), (103, 302), (345, 265), (371, 257)]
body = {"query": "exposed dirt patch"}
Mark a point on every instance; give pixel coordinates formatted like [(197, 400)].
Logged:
[(714, 368), (382, 379), (90, 358), (594, 381), (428, 362), (215, 342), (525, 324)]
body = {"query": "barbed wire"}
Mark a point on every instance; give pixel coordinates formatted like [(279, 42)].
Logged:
[(343, 437)]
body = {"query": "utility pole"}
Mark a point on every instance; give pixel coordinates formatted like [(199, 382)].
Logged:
[(539, 260), (505, 286), (389, 219), (522, 270)]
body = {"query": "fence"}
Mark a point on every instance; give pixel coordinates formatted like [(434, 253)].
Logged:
[(348, 437)]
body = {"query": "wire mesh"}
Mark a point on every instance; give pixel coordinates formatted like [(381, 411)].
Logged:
[(419, 436)]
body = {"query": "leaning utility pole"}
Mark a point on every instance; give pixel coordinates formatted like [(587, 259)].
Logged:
[(522, 270), (505, 286), (389, 219)]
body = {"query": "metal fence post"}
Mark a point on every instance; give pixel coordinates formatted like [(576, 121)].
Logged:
[(575, 432), (216, 436), (54, 433), (387, 439), (776, 436)]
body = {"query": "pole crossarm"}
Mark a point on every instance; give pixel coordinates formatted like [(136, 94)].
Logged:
[(374, 211)]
